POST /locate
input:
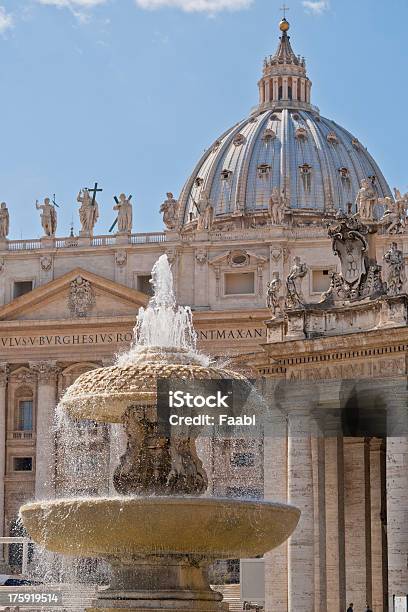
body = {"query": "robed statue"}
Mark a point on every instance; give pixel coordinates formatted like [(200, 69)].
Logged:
[(4, 221), (48, 217), (366, 200), (294, 293), (276, 207), (125, 214), (396, 270), (169, 210), (88, 211), (205, 212), (273, 295)]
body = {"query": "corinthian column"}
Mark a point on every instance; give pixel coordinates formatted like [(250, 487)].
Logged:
[(297, 400), (275, 489), (3, 386), (397, 488), (45, 440), (300, 488)]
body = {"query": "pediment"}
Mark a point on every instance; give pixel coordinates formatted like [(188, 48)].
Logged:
[(238, 258), (77, 294)]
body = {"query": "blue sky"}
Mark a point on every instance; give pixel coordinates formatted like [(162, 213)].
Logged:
[(130, 92)]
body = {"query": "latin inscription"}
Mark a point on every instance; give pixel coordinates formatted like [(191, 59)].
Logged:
[(48, 340)]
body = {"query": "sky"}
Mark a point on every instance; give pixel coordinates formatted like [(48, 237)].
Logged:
[(130, 93)]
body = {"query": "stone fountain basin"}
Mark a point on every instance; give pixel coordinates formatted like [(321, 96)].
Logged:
[(139, 526)]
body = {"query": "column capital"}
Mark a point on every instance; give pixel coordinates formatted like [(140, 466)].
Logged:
[(4, 373), (46, 371)]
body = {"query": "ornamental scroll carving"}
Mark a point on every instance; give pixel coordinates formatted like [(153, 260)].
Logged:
[(81, 297), (23, 376)]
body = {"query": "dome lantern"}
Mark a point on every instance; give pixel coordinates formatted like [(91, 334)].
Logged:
[(284, 80)]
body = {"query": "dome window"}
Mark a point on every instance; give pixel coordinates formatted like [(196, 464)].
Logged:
[(199, 181), (269, 134), (226, 175), (275, 117), (332, 138), (264, 170), (306, 174), (216, 145), (296, 117), (239, 140), (356, 143), (344, 173), (301, 133)]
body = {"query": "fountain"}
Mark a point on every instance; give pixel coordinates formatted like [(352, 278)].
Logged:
[(159, 534)]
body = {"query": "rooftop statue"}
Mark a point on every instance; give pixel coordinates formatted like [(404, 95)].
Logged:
[(396, 270), (88, 211), (276, 207), (395, 216), (206, 212), (273, 295), (48, 217), (366, 200), (125, 214), (4, 221), (294, 295), (169, 209)]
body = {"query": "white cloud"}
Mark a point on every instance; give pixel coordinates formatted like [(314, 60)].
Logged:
[(6, 20), (196, 6), (79, 8), (73, 3), (317, 7)]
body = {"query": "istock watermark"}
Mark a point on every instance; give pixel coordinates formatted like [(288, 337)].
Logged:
[(205, 404)]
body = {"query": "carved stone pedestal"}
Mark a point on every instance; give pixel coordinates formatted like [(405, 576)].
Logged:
[(84, 239), (122, 238), (168, 582), (48, 242)]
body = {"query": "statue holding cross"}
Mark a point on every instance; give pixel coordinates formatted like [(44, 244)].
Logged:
[(89, 210), (125, 214)]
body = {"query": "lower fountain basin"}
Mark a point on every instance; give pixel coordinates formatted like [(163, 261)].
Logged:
[(125, 527)]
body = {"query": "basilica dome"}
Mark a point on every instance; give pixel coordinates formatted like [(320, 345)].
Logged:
[(285, 153)]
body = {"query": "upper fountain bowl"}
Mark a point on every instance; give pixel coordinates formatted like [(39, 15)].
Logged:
[(123, 527), (106, 393)]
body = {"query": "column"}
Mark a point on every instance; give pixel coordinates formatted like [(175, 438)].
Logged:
[(397, 489), (308, 88), (377, 489), (275, 88), (294, 88), (261, 92), (45, 435), (4, 370), (285, 88), (267, 90), (357, 513), (319, 504), (335, 545), (275, 489), (300, 488), (302, 90)]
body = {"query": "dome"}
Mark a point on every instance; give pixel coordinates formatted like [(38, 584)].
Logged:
[(284, 151)]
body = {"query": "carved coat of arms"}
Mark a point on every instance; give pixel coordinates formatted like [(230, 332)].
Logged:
[(350, 245), (81, 297)]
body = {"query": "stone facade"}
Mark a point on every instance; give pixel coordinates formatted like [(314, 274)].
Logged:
[(68, 305)]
